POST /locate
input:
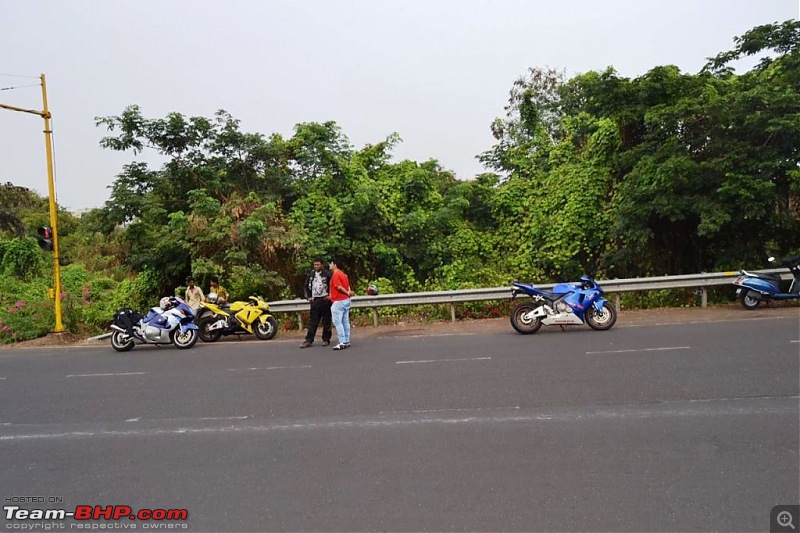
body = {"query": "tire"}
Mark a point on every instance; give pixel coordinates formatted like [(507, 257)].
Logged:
[(202, 329), (749, 302), (267, 330), (601, 320), (184, 341), (521, 323), (122, 342)]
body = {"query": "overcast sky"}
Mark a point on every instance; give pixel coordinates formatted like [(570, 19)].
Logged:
[(435, 71)]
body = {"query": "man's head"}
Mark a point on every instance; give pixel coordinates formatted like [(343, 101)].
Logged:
[(335, 264), (190, 282), (214, 281), (318, 264)]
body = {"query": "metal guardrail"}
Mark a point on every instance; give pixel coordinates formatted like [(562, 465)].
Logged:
[(613, 286)]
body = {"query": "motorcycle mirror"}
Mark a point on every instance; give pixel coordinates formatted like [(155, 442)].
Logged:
[(771, 259)]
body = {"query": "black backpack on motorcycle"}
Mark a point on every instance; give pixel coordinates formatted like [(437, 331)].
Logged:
[(126, 318)]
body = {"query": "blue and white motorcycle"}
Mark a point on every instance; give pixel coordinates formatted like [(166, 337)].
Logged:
[(752, 288), (567, 304), (172, 322)]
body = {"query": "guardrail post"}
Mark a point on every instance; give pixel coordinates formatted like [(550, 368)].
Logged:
[(452, 312), (617, 304), (300, 321), (375, 316), (703, 297)]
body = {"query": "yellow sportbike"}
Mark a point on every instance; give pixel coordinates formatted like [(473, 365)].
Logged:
[(239, 318)]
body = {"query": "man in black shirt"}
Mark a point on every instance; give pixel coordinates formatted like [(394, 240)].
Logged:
[(316, 291)]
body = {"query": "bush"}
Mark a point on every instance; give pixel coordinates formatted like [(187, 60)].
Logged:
[(26, 312), (22, 258)]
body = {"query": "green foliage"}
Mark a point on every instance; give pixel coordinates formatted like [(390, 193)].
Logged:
[(22, 258)]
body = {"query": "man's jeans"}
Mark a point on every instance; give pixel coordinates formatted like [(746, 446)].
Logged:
[(340, 311)]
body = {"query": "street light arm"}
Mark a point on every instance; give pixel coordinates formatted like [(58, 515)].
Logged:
[(23, 110)]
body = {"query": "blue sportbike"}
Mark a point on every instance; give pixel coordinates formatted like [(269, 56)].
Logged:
[(172, 322), (567, 304)]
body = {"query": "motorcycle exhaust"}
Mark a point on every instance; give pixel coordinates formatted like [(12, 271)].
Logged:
[(117, 328)]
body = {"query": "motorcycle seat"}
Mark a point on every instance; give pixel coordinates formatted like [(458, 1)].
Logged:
[(762, 275)]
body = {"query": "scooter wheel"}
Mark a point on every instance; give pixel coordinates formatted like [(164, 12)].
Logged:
[(749, 301)]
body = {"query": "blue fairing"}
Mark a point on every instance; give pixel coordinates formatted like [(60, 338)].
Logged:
[(155, 318), (563, 288), (761, 284), (600, 303), (187, 327), (528, 288)]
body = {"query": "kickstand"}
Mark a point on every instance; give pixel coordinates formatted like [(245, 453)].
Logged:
[(562, 327)]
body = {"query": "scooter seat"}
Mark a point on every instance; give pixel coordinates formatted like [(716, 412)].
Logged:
[(762, 275)]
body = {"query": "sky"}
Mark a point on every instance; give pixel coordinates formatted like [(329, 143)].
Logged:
[(437, 72)]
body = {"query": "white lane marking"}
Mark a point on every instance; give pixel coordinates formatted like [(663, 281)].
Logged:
[(2, 379), (190, 419), (111, 374), (471, 409), (710, 408), (270, 368), (795, 341), (442, 360), (644, 350), (424, 336)]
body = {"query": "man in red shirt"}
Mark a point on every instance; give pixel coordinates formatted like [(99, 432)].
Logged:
[(340, 294)]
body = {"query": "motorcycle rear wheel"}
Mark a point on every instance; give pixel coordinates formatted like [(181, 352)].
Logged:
[(267, 330), (748, 301), (521, 320), (183, 340), (202, 328), (122, 342), (601, 320)]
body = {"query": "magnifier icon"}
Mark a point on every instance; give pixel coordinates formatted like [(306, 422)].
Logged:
[(785, 519)]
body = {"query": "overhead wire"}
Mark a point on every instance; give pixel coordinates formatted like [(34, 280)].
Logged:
[(19, 87), (18, 76)]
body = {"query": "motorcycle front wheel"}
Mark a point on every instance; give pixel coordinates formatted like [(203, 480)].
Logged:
[(523, 321), (749, 301), (122, 342), (601, 320), (183, 340), (267, 330)]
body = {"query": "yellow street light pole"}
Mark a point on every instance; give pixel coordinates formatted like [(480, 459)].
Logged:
[(45, 114)]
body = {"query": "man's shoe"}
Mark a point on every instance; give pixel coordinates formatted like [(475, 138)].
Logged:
[(306, 344), (326, 343), (340, 346)]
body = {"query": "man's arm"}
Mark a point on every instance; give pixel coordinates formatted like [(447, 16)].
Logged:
[(306, 290), (341, 289)]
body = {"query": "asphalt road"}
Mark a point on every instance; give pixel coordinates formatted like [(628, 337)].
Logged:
[(681, 427)]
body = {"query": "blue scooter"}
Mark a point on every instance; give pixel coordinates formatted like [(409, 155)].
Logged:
[(752, 288)]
